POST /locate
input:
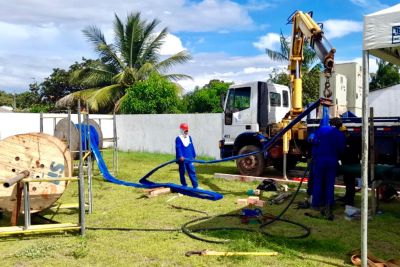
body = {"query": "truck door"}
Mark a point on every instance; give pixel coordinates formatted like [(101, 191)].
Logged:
[(278, 102), (238, 114)]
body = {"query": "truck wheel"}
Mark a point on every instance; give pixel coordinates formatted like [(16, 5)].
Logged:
[(252, 165), (290, 164)]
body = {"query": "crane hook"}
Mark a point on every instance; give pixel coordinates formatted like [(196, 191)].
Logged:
[(327, 90)]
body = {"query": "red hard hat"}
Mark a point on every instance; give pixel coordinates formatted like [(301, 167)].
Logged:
[(184, 126)]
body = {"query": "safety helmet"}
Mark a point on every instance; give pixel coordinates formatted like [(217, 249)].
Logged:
[(184, 127)]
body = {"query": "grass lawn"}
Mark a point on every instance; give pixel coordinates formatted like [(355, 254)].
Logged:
[(119, 206)]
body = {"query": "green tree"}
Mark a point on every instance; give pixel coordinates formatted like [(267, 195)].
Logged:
[(131, 58), (27, 99), (386, 75), (279, 77), (155, 95), (206, 99), (6, 99), (310, 71)]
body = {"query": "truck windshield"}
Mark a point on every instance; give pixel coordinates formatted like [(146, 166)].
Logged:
[(238, 99)]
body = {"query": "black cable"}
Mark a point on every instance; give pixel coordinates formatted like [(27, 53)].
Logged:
[(306, 229), (188, 209)]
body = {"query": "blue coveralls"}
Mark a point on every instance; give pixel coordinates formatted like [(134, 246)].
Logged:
[(328, 144), (187, 152)]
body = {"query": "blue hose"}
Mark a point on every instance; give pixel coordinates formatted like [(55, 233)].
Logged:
[(189, 191)]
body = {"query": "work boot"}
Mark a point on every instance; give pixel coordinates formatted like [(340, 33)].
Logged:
[(329, 213)]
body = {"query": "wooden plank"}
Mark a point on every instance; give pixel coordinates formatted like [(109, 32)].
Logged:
[(158, 192), (40, 228)]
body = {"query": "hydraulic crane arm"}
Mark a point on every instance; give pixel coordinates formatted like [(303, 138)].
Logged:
[(305, 28)]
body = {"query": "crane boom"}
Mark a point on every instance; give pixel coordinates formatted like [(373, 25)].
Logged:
[(305, 28)]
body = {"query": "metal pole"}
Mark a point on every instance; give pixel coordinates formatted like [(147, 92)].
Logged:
[(27, 207), (284, 165), (69, 129), (41, 122), (364, 169), (81, 183), (115, 152), (16, 179), (89, 164), (372, 161), (54, 124)]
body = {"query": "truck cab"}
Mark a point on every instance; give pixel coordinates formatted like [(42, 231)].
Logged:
[(250, 112)]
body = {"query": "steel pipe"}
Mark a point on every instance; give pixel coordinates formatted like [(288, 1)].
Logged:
[(11, 181)]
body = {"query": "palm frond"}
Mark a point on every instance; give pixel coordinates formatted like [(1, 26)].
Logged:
[(96, 74), (119, 34), (144, 71), (127, 77), (107, 52), (177, 77), (151, 45), (95, 36), (275, 55), (134, 32), (178, 58), (285, 49), (71, 99), (105, 98), (119, 102)]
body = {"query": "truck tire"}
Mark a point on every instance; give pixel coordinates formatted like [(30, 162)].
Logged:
[(290, 164), (252, 165)]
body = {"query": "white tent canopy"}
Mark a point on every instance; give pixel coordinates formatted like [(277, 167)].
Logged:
[(382, 34)]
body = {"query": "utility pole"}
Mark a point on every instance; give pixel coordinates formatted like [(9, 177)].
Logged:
[(14, 101)]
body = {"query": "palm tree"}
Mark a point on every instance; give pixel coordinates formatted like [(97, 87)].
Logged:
[(283, 55), (132, 57)]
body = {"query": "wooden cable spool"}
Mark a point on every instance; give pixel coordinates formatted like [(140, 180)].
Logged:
[(43, 156), (98, 130), (61, 132)]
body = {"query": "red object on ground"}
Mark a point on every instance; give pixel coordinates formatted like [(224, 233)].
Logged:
[(299, 179)]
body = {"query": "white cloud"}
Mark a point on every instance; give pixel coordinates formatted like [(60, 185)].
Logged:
[(270, 40), (207, 66), (256, 5), (171, 46), (370, 5), (179, 15), (335, 28), (37, 34)]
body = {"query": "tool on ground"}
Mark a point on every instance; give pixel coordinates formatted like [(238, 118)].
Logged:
[(234, 253), (280, 198), (372, 260)]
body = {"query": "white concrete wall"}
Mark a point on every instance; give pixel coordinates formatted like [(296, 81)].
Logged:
[(152, 133), (17, 123), (157, 133)]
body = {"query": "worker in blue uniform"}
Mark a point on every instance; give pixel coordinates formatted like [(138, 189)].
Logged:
[(328, 145), (185, 151)]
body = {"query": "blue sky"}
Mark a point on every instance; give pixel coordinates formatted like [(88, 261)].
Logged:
[(226, 38)]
